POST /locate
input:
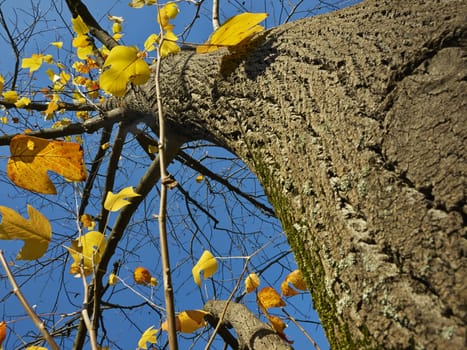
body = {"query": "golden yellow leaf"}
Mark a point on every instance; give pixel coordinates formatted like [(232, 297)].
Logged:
[(57, 44), (22, 102), (33, 63), (113, 279), (116, 28), (150, 41), (148, 336), (33, 347), (191, 320), (123, 65), (136, 4), (87, 221), (154, 282), (141, 275), (206, 263), (233, 31), (2, 81), (187, 321), (268, 297), (251, 282), (169, 46), (86, 251), (296, 279), (115, 202), (35, 232), (276, 323), (32, 157), (10, 96), (167, 12), (79, 26), (199, 178), (2, 332)]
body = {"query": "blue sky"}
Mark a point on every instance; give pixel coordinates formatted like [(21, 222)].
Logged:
[(228, 226)]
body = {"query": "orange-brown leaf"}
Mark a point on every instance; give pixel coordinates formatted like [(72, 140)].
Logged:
[(2, 332), (268, 297), (32, 157), (296, 279), (141, 275)]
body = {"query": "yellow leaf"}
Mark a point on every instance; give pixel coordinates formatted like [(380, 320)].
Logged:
[(115, 202), (168, 44), (199, 178), (2, 81), (33, 63), (10, 96), (141, 275), (52, 106), (36, 348), (187, 321), (115, 19), (32, 157), (35, 232), (276, 323), (167, 12), (79, 26), (296, 279), (148, 336), (87, 221), (233, 31), (268, 297), (149, 42), (154, 282), (2, 332), (136, 4), (86, 250), (191, 320), (116, 27), (57, 44), (113, 279), (22, 102), (123, 65), (251, 282), (206, 263)]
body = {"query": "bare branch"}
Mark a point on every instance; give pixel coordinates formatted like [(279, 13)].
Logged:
[(37, 321)]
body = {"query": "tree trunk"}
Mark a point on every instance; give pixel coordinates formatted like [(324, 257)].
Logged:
[(355, 124)]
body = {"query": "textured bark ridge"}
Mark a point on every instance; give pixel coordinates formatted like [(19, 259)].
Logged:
[(355, 124)]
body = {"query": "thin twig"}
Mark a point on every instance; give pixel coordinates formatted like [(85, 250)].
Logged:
[(215, 15), (312, 341), (37, 321), (166, 272), (222, 315)]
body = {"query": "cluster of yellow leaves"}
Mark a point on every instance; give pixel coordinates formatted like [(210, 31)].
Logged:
[(235, 30), (81, 42), (269, 298), (32, 157), (35, 232)]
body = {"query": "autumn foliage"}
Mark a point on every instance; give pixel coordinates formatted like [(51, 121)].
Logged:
[(32, 158)]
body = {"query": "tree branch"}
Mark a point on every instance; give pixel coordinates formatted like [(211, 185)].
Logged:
[(252, 333)]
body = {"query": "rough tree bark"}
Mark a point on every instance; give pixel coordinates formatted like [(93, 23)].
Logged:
[(355, 124)]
